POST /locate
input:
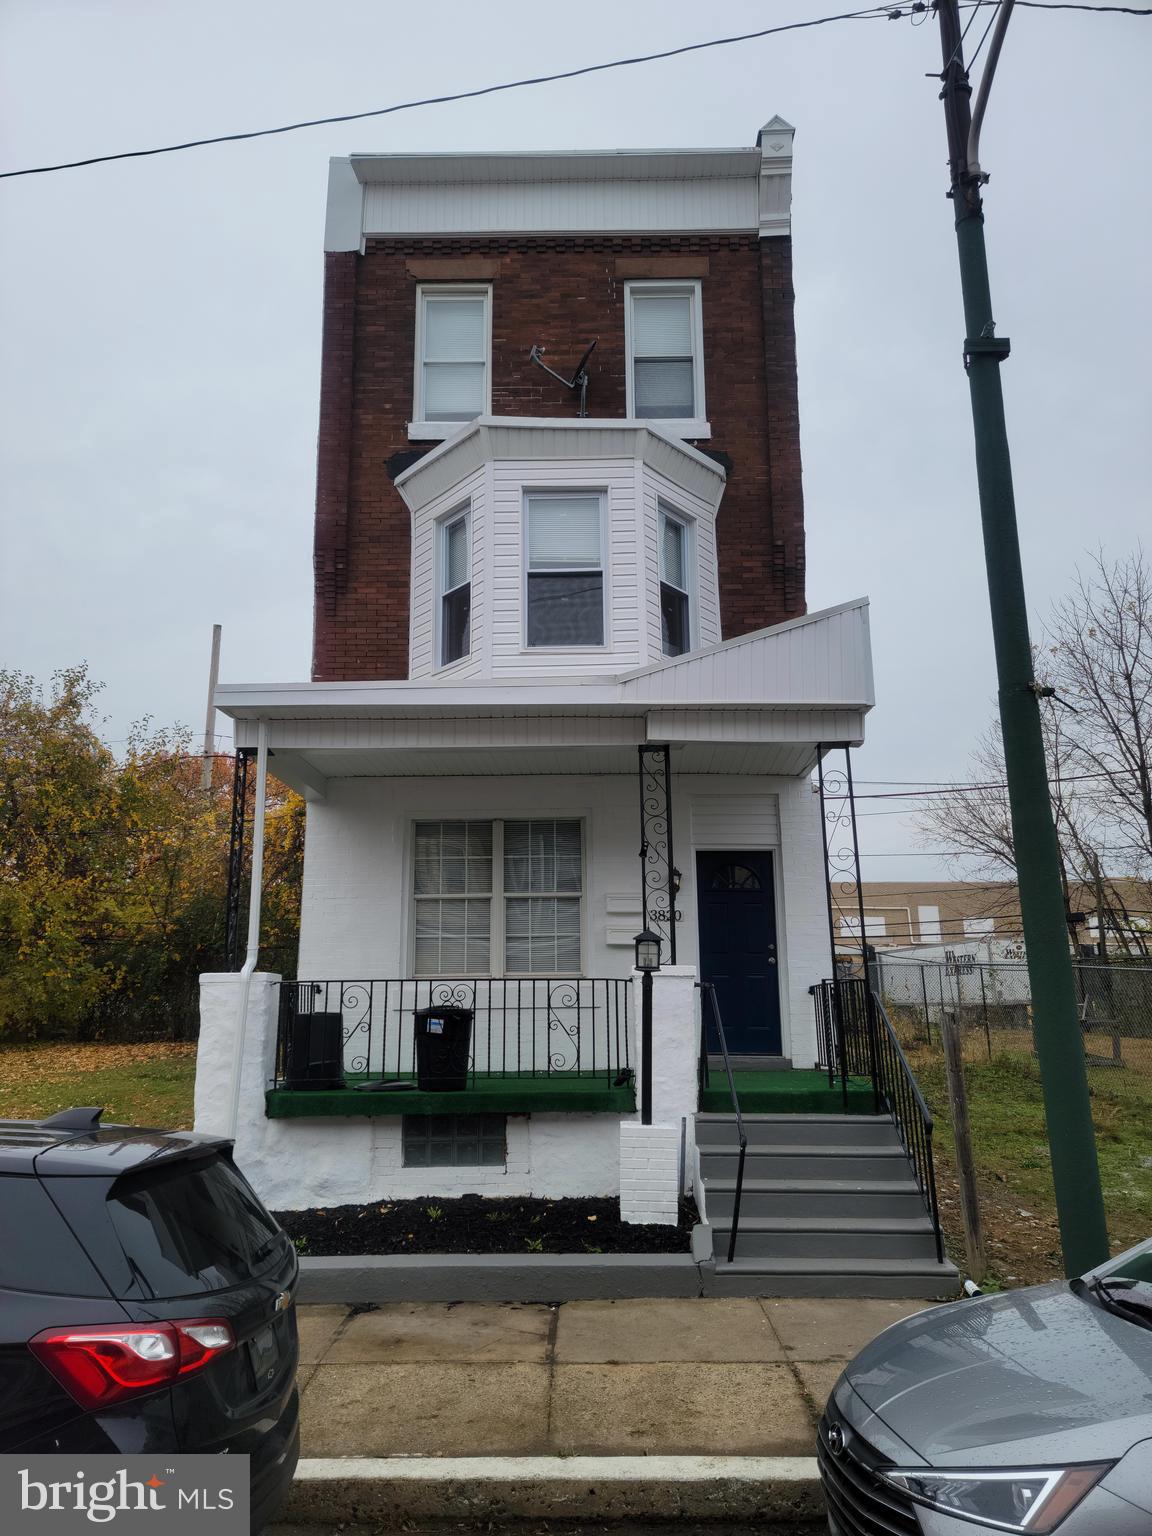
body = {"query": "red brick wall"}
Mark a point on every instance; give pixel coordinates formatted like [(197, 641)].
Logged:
[(560, 292)]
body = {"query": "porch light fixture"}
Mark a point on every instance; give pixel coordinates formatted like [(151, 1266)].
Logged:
[(647, 951), (677, 877)]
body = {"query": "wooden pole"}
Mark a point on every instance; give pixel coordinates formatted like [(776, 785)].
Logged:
[(210, 716), (962, 1134)]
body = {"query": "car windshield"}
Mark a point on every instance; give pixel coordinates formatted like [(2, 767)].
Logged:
[(1124, 1285)]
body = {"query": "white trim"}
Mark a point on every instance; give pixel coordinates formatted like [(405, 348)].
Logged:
[(424, 292), (497, 896), (698, 425), (560, 437), (433, 431)]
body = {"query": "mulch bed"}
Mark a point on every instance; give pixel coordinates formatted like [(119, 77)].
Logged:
[(477, 1224)]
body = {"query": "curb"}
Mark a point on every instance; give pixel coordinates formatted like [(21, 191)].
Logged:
[(357, 1280), (345, 1490), (371, 1280)]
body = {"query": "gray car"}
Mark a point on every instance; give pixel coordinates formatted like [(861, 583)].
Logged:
[(1029, 1411)]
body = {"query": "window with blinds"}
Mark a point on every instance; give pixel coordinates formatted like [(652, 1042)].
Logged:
[(665, 367), (455, 588), (675, 602), (452, 887), (486, 888), (564, 585), (453, 344)]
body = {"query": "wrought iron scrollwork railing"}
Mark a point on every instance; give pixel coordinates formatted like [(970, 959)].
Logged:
[(856, 1039), (708, 993), (521, 1027), (659, 876)]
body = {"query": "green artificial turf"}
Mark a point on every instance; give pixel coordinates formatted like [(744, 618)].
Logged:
[(558, 1093), (785, 1093)]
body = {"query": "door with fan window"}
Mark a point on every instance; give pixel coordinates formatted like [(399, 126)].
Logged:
[(736, 898)]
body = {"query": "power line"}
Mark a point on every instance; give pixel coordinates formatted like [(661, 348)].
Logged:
[(891, 12), (872, 13)]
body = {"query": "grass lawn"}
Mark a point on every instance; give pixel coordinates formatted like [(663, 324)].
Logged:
[(1014, 1167), (145, 1084)]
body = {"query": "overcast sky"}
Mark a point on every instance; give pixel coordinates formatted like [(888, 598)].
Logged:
[(161, 317)]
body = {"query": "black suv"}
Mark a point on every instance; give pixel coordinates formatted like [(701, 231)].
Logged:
[(146, 1300)]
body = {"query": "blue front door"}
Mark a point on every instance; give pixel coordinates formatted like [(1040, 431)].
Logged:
[(737, 903)]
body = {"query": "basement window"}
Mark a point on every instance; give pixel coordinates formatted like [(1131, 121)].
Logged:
[(455, 1141)]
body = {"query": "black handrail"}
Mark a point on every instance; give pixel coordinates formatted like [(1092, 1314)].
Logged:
[(897, 1087), (709, 992), (858, 1037)]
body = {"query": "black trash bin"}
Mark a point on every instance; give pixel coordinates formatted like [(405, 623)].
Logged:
[(315, 1054), (443, 1038)]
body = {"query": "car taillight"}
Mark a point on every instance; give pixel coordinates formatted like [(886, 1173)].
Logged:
[(99, 1366)]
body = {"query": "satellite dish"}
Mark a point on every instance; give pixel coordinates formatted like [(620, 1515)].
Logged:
[(579, 379)]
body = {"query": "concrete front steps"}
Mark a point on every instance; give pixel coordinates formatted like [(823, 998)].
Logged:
[(829, 1208)]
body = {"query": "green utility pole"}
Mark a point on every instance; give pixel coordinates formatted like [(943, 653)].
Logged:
[(1075, 1172)]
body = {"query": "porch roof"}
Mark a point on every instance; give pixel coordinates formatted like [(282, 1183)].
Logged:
[(758, 704)]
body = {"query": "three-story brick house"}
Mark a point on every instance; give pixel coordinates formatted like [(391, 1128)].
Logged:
[(558, 621)]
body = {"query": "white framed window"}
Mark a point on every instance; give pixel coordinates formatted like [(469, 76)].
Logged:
[(543, 885), (664, 341), (563, 569), (509, 892), (452, 898), (453, 358), (454, 564), (675, 582)]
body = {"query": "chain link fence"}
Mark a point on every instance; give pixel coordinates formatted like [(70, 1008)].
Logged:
[(991, 1003)]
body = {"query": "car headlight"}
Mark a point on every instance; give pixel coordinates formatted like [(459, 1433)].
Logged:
[(1033, 1500)]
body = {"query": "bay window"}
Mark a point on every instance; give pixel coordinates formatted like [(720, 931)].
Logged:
[(512, 890), (564, 585)]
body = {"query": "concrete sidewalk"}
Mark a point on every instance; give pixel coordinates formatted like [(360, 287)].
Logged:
[(584, 1378)]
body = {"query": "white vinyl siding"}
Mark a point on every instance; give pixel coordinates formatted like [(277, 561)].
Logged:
[(482, 888), (630, 492), (664, 340), (429, 574), (453, 350), (704, 596)]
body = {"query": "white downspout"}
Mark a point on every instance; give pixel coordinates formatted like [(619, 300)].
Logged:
[(252, 953)]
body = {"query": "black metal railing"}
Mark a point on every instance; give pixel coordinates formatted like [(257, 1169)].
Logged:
[(708, 992), (521, 1027), (855, 1038)]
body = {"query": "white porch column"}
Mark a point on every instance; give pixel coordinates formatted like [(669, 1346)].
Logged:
[(650, 1154), (220, 1001)]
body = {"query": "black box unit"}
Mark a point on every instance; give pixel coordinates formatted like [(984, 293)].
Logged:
[(315, 1055), (443, 1039)]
